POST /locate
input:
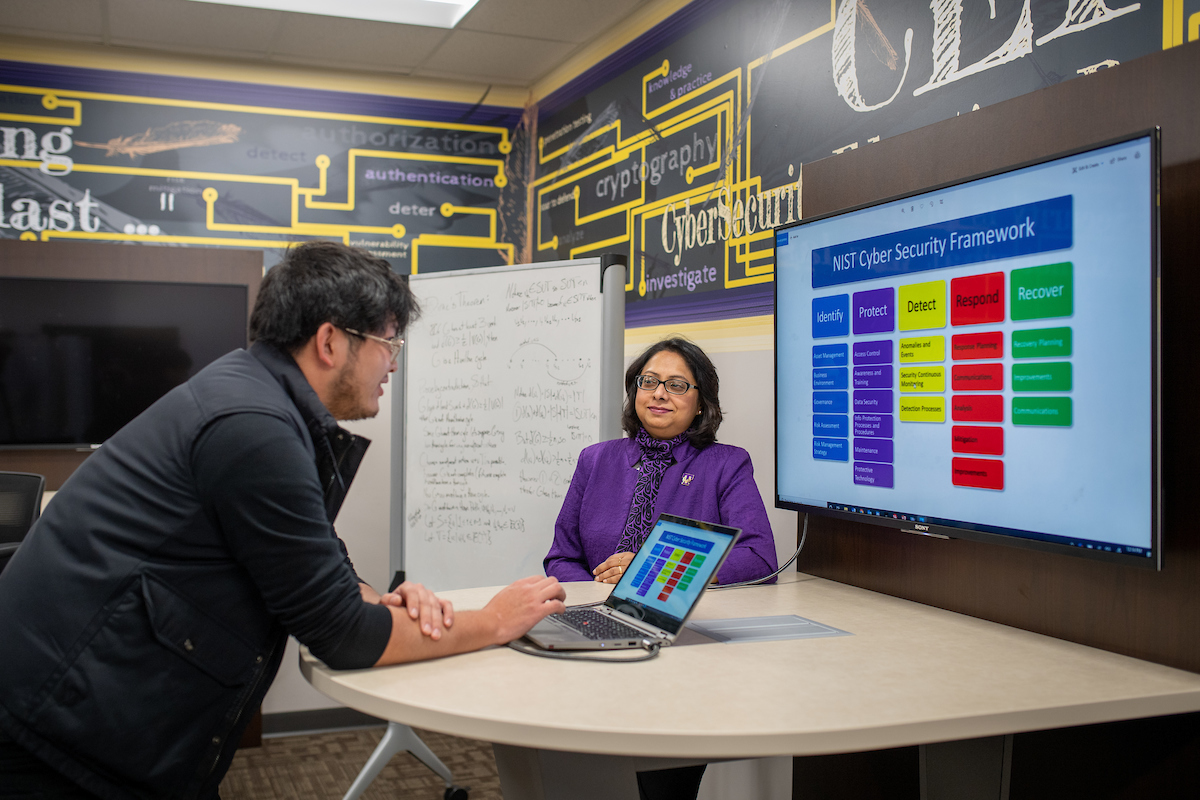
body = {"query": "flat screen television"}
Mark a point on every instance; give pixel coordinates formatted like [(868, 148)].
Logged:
[(981, 360), (81, 358)]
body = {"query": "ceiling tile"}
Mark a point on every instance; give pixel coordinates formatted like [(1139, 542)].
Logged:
[(198, 27), (357, 43), (53, 19), (559, 20), (491, 57)]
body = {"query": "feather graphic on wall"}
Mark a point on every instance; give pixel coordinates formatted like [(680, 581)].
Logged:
[(172, 136)]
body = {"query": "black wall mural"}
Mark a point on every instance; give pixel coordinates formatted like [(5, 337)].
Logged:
[(689, 152), (112, 156)]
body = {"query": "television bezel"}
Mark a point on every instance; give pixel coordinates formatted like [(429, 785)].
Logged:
[(997, 534)]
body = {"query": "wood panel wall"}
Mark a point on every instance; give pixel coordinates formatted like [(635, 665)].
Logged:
[(101, 261), (1142, 613)]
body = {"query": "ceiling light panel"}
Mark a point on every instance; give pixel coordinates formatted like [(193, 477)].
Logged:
[(430, 13)]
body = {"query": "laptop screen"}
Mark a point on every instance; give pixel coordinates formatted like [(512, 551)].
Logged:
[(669, 572)]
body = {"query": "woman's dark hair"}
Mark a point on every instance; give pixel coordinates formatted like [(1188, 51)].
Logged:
[(319, 282), (703, 430)]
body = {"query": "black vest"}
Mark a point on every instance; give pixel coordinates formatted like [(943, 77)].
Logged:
[(124, 612)]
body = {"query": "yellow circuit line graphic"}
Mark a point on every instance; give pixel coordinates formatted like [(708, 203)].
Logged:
[(745, 260), (54, 100)]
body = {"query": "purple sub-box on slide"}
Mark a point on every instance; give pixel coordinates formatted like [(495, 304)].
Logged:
[(873, 400), (873, 377), (878, 450), (868, 474), (879, 352), (878, 425)]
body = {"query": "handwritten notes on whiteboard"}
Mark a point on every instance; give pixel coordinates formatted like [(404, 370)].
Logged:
[(503, 391)]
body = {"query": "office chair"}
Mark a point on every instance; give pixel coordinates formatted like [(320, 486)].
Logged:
[(399, 738), (20, 505)]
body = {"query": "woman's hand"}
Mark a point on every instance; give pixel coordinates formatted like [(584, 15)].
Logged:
[(613, 568)]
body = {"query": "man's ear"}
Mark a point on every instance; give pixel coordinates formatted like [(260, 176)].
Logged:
[(328, 345)]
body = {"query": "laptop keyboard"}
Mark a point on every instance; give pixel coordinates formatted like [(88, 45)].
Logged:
[(594, 625)]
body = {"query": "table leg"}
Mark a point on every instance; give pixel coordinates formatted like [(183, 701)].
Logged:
[(528, 774), (972, 769)]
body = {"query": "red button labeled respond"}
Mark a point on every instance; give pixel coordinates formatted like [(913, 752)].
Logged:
[(977, 407), (977, 439), (977, 378), (977, 299), (970, 346), (978, 473)]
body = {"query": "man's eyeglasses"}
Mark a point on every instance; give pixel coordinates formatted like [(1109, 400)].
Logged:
[(675, 385), (395, 344)]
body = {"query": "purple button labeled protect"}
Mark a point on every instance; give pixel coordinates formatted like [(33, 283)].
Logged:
[(873, 377), (876, 425), (868, 400), (873, 352), (874, 311), (873, 450), (868, 474)]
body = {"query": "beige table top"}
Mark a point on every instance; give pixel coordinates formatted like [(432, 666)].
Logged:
[(910, 674)]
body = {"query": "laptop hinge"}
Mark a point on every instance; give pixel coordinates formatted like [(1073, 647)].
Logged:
[(650, 633)]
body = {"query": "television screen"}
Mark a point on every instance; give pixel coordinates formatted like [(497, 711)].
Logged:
[(980, 360), (81, 358)]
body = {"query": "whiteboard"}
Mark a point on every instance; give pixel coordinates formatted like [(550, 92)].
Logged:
[(502, 391)]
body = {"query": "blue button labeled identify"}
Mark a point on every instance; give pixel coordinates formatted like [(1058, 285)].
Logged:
[(831, 316), (831, 449), (831, 402)]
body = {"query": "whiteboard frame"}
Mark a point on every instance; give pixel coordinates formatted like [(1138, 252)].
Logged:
[(612, 356)]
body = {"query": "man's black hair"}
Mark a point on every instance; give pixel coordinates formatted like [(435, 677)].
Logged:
[(319, 282), (703, 430)]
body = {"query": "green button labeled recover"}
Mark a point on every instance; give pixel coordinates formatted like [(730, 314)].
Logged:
[(1042, 343), (1054, 376), (1042, 411), (1042, 292)]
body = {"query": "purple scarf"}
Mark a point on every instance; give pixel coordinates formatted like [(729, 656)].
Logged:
[(656, 458)]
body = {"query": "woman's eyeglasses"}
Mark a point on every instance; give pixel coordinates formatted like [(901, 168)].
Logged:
[(674, 386)]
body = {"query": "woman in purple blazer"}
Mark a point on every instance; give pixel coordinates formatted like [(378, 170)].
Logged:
[(670, 463)]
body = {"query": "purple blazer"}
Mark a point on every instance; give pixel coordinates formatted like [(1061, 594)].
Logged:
[(721, 489)]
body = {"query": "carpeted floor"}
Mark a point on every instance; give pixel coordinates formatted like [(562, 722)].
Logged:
[(323, 765)]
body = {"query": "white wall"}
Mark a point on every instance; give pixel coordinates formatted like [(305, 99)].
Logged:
[(748, 402)]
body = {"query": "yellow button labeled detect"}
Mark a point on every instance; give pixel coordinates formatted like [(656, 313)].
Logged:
[(923, 305), (922, 349), (922, 409), (922, 379)]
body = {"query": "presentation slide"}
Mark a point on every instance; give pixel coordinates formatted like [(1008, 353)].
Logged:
[(674, 566), (978, 356)]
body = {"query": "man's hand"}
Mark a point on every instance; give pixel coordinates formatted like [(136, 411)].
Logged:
[(613, 567), (434, 614), (521, 605)]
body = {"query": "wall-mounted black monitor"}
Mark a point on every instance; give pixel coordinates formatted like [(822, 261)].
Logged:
[(980, 360), (81, 358)]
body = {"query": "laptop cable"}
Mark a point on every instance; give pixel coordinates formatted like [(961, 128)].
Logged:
[(756, 581), (652, 649)]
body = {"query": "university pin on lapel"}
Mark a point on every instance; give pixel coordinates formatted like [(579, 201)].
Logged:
[(687, 479)]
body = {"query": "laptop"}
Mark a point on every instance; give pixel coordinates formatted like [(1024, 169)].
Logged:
[(655, 596)]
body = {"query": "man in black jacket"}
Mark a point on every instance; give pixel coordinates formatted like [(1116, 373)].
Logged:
[(145, 615)]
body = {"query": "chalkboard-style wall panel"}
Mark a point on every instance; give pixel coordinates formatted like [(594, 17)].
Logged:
[(1142, 613), (687, 149), (99, 155)]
